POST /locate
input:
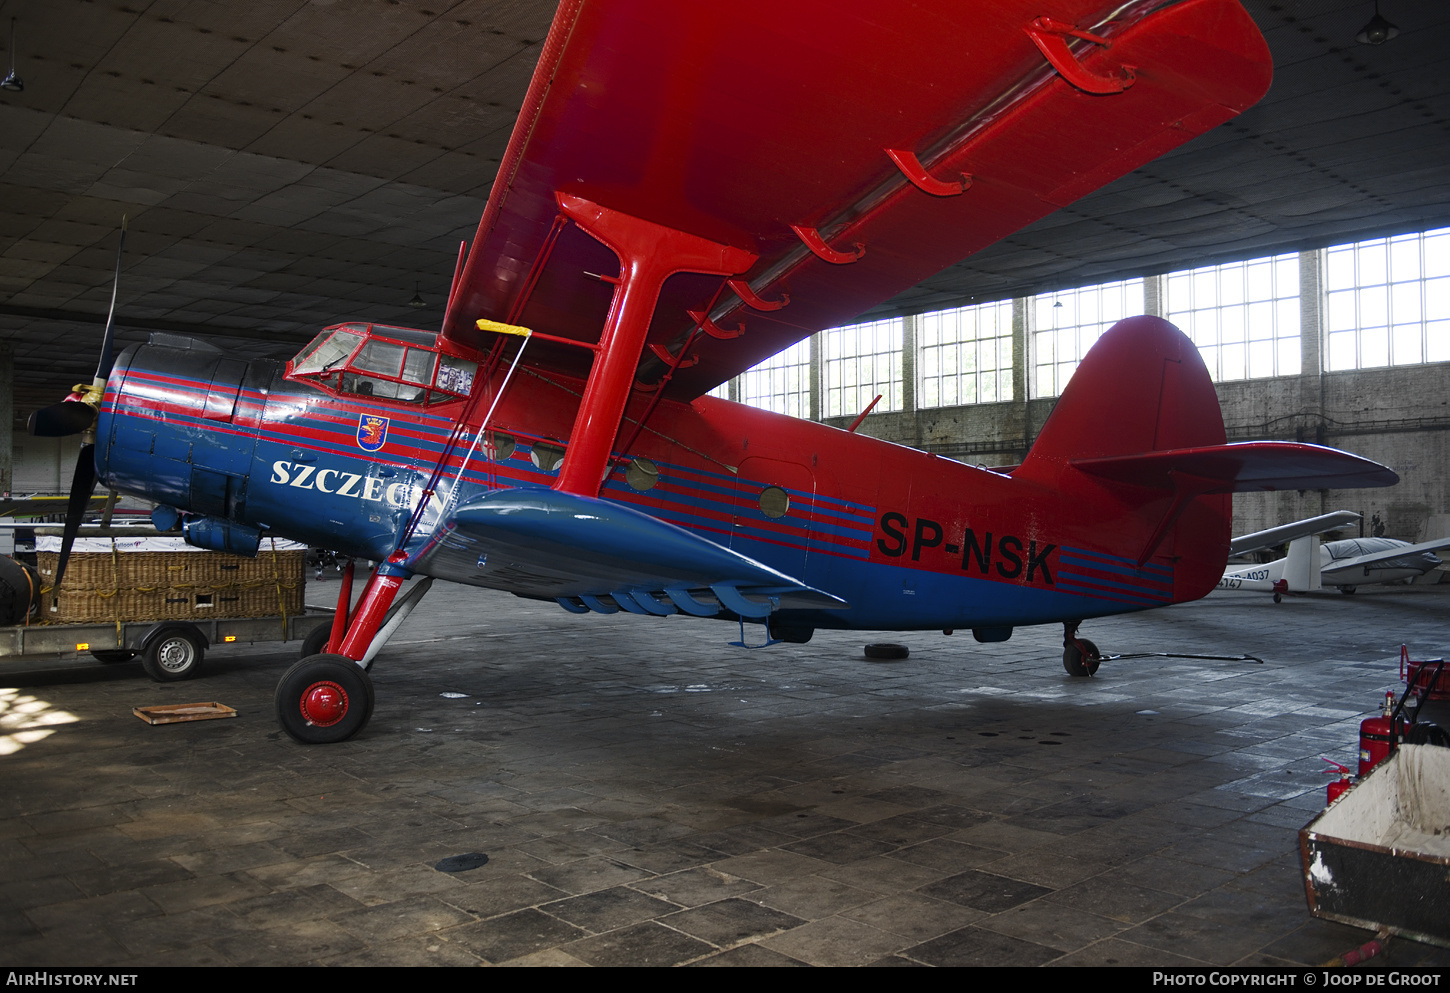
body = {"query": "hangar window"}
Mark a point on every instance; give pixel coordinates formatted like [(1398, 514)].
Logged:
[(965, 355), (1066, 324), (1387, 302), (1244, 316), (781, 383), (862, 360)]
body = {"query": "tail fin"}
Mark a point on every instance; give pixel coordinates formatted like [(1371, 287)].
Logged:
[(1135, 448), (1301, 571), (1142, 388)]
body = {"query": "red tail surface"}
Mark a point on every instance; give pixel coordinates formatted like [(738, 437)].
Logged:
[(1135, 451), (1142, 391), (1141, 388)]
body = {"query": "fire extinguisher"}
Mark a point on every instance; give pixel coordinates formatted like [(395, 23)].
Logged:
[(1344, 782), (1377, 737)]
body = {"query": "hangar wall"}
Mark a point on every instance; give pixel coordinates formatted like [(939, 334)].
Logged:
[(1382, 414), (1398, 416)]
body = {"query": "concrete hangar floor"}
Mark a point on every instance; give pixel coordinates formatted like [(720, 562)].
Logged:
[(646, 794)]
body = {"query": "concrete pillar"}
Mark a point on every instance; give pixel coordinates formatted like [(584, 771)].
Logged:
[(7, 416), (1312, 348), (908, 362), (1311, 326), (735, 389), (1022, 364), (814, 372), (1155, 296)]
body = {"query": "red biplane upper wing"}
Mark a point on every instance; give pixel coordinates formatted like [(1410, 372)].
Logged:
[(898, 138)]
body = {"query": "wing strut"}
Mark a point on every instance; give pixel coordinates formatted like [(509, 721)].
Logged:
[(648, 254)]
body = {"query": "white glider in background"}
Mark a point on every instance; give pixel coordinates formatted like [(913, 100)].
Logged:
[(1345, 564)]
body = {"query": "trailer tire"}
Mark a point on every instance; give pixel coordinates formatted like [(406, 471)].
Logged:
[(173, 656)]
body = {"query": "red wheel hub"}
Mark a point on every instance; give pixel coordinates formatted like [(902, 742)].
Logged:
[(324, 703)]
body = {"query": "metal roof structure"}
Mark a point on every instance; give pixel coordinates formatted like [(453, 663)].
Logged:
[(288, 164)]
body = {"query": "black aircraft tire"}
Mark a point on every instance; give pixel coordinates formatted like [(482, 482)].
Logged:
[(887, 650), (173, 656), (324, 699), (1074, 662), (316, 642)]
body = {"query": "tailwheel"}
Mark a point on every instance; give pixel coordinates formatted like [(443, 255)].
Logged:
[(1080, 657), (324, 699)]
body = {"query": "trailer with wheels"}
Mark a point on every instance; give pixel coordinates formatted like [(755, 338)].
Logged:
[(169, 650)]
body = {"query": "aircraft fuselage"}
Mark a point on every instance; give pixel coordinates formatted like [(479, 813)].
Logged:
[(908, 539)]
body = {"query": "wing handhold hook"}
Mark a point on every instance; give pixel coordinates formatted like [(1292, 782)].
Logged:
[(743, 290), (818, 246), (1050, 36), (663, 354), (714, 330), (913, 170)]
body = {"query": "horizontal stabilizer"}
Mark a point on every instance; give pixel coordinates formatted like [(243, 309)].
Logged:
[(1288, 532), (1249, 465), (580, 550)]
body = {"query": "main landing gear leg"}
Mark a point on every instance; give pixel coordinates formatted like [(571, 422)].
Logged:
[(1080, 657), (329, 697)]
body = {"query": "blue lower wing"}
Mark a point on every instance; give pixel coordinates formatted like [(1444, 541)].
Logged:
[(592, 554)]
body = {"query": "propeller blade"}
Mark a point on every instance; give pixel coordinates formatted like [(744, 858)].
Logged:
[(80, 495), (61, 420), (103, 367)]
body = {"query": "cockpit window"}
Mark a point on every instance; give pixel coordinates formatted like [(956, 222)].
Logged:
[(456, 375), (366, 386), (418, 367), (327, 350), (398, 364), (382, 357)]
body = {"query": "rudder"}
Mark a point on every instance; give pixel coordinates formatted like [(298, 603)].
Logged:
[(1141, 388)]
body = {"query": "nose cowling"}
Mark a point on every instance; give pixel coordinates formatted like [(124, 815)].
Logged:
[(179, 424)]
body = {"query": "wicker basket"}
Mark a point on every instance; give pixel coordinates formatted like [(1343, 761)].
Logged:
[(166, 585)]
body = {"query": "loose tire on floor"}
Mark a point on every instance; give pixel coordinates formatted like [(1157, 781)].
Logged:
[(173, 656), (107, 656), (324, 699), (887, 651), (1078, 664)]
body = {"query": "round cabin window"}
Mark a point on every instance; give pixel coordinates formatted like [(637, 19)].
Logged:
[(499, 447), (774, 502), (642, 474), (547, 456)]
